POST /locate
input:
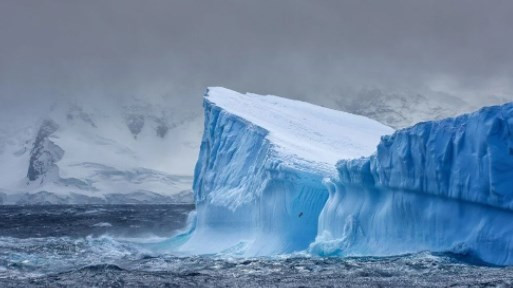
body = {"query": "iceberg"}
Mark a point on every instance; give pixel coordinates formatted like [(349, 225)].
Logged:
[(277, 176), (438, 186), (259, 180)]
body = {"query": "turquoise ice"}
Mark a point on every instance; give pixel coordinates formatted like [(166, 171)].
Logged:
[(277, 176)]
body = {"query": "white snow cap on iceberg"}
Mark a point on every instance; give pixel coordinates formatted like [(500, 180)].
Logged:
[(310, 132), (258, 182)]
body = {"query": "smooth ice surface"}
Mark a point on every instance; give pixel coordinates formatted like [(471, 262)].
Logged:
[(259, 178)]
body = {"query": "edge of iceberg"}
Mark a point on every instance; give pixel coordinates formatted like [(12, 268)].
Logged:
[(440, 186), (278, 176), (258, 183)]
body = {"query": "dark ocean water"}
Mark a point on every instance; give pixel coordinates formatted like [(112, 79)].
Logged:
[(105, 246)]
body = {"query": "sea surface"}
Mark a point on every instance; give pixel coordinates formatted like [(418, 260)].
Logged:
[(110, 246)]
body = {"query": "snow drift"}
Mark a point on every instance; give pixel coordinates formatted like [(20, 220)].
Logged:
[(278, 176)]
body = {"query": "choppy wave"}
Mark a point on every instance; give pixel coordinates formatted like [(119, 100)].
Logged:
[(106, 261), (113, 259)]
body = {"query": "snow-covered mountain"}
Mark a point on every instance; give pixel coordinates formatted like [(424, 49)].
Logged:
[(100, 152), (398, 109)]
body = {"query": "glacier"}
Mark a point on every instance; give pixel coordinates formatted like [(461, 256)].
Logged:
[(99, 152), (277, 176)]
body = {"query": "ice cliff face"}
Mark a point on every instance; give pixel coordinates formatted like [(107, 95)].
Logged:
[(439, 186), (259, 178), (468, 157), (278, 176)]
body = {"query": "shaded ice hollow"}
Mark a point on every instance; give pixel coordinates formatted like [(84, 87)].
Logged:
[(278, 176)]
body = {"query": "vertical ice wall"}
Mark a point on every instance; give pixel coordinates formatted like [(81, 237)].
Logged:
[(438, 186), (267, 182), (259, 178)]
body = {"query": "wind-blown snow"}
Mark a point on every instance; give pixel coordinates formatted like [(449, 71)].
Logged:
[(278, 176)]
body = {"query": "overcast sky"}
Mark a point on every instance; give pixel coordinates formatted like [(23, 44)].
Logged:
[(149, 48)]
